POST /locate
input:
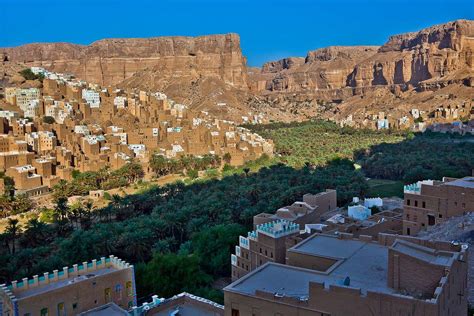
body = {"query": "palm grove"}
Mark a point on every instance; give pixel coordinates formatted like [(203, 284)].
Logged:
[(180, 236)]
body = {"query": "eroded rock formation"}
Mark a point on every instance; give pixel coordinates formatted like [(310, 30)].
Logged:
[(428, 58), (111, 61)]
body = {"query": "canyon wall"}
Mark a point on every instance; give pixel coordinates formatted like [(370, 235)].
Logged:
[(439, 53), (111, 61), (433, 56), (325, 68)]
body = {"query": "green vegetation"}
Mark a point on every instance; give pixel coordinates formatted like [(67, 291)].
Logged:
[(163, 166), (317, 142), (384, 188), (425, 156), (382, 155), (11, 204), (104, 179), (180, 236), (29, 75), (49, 119)]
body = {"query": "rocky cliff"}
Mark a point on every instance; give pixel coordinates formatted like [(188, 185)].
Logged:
[(326, 68), (432, 56), (439, 53), (111, 61)]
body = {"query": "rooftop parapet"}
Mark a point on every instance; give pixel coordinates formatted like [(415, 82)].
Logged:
[(141, 310), (415, 188), (25, 284), (278, 228)]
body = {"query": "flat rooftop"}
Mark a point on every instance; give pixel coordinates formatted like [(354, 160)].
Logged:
[(365, 263), (331, 247), (466, 182), (19, 294)]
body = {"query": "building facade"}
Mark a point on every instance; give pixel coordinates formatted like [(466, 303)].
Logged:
[(429, 202)]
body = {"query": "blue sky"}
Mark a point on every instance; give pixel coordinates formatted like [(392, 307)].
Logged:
[(268, 29)]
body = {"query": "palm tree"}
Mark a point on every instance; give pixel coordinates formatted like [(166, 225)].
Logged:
[(35, 234), (12, 231)]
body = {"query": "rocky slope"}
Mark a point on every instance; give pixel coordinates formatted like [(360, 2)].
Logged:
[(409, 71), (111, 61)]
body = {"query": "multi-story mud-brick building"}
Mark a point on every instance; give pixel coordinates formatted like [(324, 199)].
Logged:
[(72, 290)]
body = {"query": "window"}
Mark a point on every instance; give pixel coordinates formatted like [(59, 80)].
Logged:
[(408, 216), (108, 295), (440, 215), (416, 203), (235, 312), (423, 204), (118, 291), (463, 205), (129, 288), (44, 312), (266, 254), (61, 311), (74, 306), (271, 254), (260, 250), (408, 202), (408, 231)]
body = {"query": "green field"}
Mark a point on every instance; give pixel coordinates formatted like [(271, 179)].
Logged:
[(317, 142), (384, 188)]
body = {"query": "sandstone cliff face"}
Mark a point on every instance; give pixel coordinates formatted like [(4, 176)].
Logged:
[(438, 53), (435, 56), (111, 61), (326, 68)]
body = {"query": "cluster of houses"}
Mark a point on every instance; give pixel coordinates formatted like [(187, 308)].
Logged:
[(69, 125), (416, 119)]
